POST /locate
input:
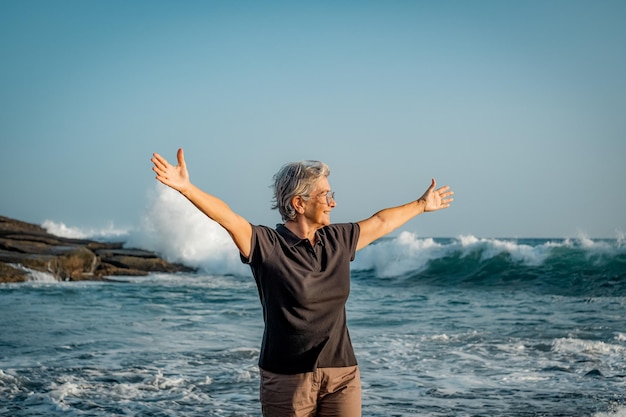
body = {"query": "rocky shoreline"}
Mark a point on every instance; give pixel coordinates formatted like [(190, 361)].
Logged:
[(26, 247)]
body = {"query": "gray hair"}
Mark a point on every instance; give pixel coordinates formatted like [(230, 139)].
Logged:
[(295, 179)]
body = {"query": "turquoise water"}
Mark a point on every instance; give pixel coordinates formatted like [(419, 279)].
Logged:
[(441, 327)]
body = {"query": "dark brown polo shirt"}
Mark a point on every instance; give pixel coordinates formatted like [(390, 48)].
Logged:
[(303, 291)]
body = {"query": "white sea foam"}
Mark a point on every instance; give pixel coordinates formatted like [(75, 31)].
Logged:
[(399, 255), (110, 232), (39, 276), (161, 382), (9, 385), (179, 232), (616, 412), (36, 276), (409, 253), (66, 386), (526, 254), (598, 249), (589, 348), (172, 227)]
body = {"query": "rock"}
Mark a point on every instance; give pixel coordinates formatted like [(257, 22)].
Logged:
[(76, 263), (135, 259), (594, 373), (8, 225), (9, 273), (66, 259)]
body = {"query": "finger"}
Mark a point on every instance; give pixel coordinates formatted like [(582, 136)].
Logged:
[(160, 175), (180, 155), (159, 158), (447, 201), (160, 170), (159, 161)]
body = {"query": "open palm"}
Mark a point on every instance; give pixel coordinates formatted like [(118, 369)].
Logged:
[(177, 176), (436, 199)]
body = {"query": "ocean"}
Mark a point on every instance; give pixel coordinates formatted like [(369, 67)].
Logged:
[(464, 326)]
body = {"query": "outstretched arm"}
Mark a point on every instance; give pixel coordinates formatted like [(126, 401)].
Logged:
[(387, 220), (177, 177)]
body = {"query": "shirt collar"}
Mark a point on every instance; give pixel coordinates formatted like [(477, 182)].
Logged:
[(292, 240)]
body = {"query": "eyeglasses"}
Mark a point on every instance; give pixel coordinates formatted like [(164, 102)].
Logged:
[(329, 195)]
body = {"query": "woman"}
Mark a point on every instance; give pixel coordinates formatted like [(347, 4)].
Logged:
[(302, 272)]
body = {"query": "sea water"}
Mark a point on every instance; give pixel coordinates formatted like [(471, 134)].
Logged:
[(463, 326), (441, 327)]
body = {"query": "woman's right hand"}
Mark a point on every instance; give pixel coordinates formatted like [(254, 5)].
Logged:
[(177, 176)]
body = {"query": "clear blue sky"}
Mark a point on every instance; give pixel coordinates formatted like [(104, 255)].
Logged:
[(519, 106)]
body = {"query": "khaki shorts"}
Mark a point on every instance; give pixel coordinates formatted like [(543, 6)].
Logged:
[(323, 392)]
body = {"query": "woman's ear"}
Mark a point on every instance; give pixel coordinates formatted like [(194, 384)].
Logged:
[(298, 204)]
